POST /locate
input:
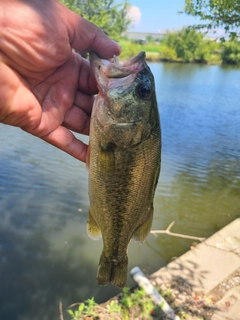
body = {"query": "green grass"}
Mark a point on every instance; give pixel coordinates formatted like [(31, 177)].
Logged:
[(132, 304), (130, 49), (128, 305)]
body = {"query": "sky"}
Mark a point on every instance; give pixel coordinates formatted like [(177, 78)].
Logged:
[(160, 15)]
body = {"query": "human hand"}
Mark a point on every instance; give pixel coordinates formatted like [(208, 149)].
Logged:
[(45, 87)]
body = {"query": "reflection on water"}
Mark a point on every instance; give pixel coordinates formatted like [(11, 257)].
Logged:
[(45, 254)]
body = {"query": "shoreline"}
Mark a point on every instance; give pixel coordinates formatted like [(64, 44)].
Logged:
[(206, 279), (217, 63)]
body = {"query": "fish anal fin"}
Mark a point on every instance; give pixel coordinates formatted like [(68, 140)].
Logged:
[(93, 230), (141, 233)]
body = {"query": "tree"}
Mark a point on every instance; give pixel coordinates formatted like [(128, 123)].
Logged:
[(186, 45), (216, 13), (108, 15), (231, 51)]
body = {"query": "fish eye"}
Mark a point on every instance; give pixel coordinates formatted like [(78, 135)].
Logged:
[(143, 90)]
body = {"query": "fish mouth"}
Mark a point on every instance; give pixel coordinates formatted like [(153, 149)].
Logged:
[(112, 69)]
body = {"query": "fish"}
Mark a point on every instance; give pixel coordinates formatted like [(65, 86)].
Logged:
[(124, 157)]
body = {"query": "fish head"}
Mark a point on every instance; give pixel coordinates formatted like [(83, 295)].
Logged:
[(128, 91)]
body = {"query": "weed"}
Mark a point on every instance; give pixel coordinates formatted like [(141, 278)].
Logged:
[(86, 308), (129, 305)]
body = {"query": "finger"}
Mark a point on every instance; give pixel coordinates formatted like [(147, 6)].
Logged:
[(87, 82), (84, 101), (85, 36), (77, 120), (63, 139)]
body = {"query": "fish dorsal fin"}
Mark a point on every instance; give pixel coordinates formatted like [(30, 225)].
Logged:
[(93, 230), (141, 233)]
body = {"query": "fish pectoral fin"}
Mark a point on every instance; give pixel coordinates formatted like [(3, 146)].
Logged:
[(93, 229), (141, 233)]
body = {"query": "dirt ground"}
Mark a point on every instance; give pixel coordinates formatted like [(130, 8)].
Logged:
[(195, 306)]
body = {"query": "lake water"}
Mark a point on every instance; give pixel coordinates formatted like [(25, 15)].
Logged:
[(45, 253)]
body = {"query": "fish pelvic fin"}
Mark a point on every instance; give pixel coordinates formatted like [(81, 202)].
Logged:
[(93, 230), (112, 271), (141, 233)]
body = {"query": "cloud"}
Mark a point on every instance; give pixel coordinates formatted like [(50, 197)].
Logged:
[(134, 14)]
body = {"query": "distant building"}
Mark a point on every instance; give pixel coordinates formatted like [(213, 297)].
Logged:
[(143, 36)]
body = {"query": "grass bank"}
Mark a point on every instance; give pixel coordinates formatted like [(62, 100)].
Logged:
[(161, 52)]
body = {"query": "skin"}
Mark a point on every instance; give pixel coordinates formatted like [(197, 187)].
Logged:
[(46, 88)]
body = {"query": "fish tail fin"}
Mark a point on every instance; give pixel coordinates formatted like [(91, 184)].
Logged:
[(112, 271)]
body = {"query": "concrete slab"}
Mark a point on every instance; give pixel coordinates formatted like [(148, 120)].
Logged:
[(208, 265)]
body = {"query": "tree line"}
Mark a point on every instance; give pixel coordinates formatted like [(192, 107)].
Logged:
[(187, 45)]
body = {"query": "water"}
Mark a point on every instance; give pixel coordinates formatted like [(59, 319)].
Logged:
[(45, 253)]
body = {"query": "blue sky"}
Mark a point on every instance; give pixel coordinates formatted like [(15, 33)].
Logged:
[(161, 15)]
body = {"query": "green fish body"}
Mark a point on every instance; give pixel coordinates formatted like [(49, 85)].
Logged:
[(123, 160)]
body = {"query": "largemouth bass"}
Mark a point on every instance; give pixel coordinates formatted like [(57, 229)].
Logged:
[(123, 161)]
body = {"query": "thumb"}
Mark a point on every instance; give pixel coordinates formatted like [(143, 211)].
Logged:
[(86, 36)]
